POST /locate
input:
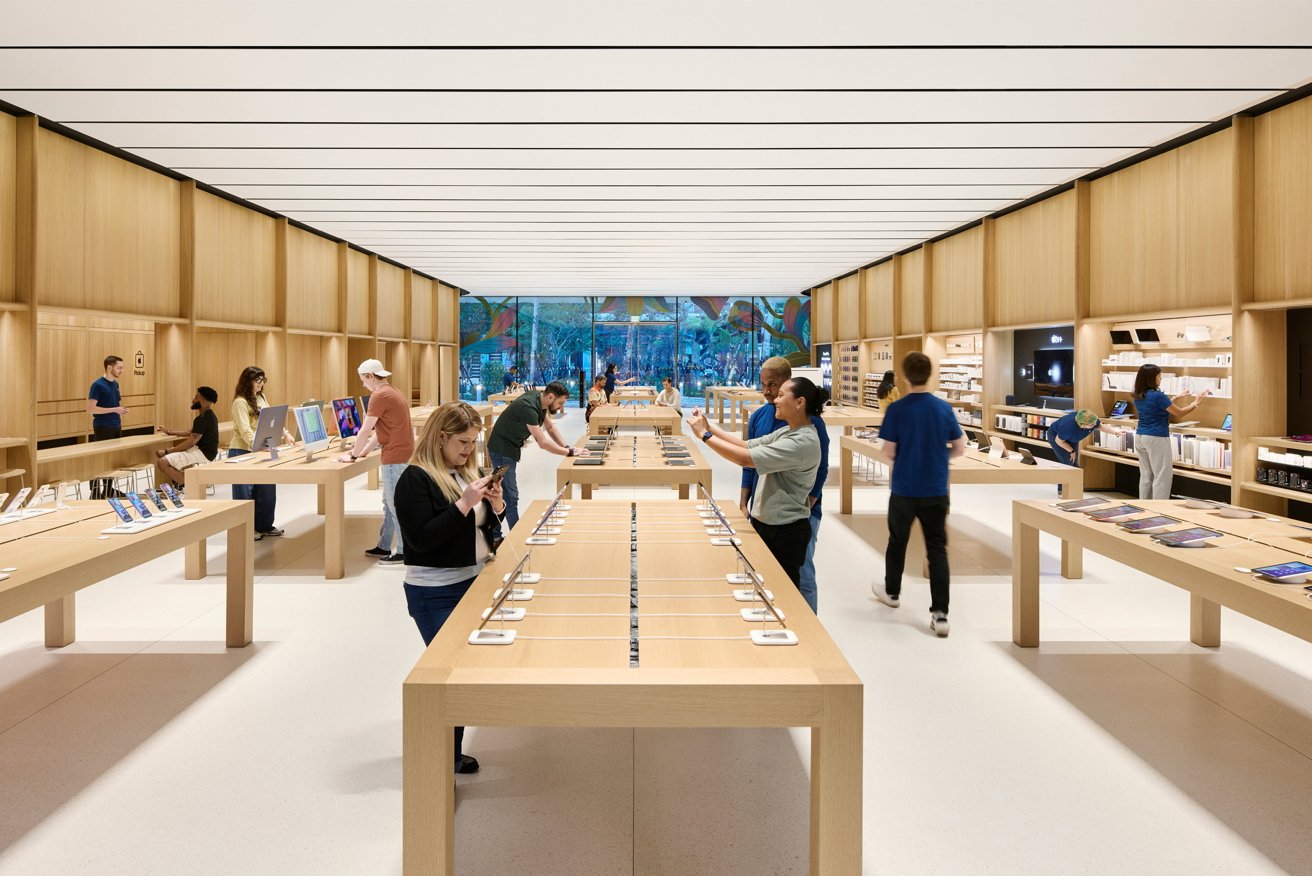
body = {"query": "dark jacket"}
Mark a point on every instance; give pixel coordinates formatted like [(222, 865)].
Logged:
[(433, 531)]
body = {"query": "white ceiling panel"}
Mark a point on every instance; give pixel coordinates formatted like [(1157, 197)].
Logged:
[(542, 149)]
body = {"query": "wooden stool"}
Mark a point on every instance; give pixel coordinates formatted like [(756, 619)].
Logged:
[(146, 469), (123, 480)]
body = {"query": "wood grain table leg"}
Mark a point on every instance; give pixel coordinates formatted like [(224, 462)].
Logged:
[(836, 776), (194, 554), (319, 500), (846, 459), (334, 531), (371, 480), (428, 797), (1072, 556), (585, 491), (683, 492), (1024, 582), (1204, 622), (61, 621), (241, 582)]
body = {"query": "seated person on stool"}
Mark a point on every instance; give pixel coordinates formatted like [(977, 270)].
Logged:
[(669, 397), (200, 444)]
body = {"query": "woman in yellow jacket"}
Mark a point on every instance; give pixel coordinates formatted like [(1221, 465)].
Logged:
[(248, 400)]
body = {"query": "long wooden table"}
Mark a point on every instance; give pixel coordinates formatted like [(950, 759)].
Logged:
[(611, 416), (640, 394), (82, 462), (324, 472), (690, 671), (59, 553), (718, 397), (635, 461), (974, 467), (1208, 573)]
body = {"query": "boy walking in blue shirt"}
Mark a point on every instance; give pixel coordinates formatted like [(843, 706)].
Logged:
[(920, 435)]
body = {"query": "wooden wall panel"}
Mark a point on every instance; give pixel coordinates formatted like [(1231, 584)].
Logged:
[(311, 282), (957, 282), (8, 207), (848, 309), (1035, 264), (396, 356), (426, 373), (318, 368), (220, 358), (61, 185), (1134, 239), (1282, 194), (911, 294), (822, 314), (1206, 222), (391, 301), (71, 353), (423, 308), (448, 373), (878, 321), (234, 263), (448, 314), (357, 293)]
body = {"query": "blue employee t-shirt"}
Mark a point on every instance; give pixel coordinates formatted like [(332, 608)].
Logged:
[(610, 382), (1153, 418), (106, 395), (1069, 431), (507, 380), (763, 422), (921, 425)]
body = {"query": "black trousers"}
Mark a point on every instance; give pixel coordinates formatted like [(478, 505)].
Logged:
[(932, 512), (787, 542), (103, 487)]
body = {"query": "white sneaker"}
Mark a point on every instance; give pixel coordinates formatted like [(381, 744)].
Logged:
[(938, 622), (882, 595)]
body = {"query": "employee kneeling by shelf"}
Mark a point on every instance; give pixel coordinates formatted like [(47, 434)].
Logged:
[(447, 512)]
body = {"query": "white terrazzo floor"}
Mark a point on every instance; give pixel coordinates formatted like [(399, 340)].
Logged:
[(1116, 747)]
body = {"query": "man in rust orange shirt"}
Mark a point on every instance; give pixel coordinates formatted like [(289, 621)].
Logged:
[(386, 423)]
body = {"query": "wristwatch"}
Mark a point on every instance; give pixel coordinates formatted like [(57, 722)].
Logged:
[(706, 436), (569, 451)]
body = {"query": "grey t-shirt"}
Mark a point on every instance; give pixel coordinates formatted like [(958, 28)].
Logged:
[(786, 463)]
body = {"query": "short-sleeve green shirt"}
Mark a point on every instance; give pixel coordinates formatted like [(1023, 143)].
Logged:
[(786, 462), (510, 431)]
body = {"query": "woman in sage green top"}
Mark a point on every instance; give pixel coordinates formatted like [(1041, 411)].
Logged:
[(786, 461)]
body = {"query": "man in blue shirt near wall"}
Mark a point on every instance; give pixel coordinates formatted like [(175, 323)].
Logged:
[(775, 372), (105, 405), (920, 435)]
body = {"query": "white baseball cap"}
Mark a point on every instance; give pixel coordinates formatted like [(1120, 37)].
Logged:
[(373, 366)]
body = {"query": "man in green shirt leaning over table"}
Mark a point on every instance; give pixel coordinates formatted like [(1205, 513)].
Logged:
[(530, 414)]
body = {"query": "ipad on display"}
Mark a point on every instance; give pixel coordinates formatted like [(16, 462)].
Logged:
[(589, 460), (1227, 423), (1119, 409), (1147, 523), (1081, 504), (1296, 571), (1115, 512), (1185, 536)]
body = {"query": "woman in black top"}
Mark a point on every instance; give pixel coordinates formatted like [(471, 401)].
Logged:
[(447, 511)]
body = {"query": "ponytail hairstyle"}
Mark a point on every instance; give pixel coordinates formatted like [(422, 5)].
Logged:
[(814, 396), (452, 418), (1145, 380)]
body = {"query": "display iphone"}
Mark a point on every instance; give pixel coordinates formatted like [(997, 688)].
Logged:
[(3, 496), (1147, 523), (139, 505), (172, 494), (1115, 512), (1080, 504), (155, 499), (122, 512), (1295, 572), (18, 500), (1185, 536)]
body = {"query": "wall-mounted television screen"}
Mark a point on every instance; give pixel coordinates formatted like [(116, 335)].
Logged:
[(1054, 373)]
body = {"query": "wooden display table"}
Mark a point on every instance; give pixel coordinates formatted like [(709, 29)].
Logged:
[(635, 461), (701, 670), (717, 398), (324, 472), (645, 418), (1208, 573), (60, 553), (979, 468), (639, 394), (503, 398), (82, 462)]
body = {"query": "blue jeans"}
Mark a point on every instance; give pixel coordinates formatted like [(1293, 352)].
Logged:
[(806, 583), (264, 495), (509, 487), (430, 607), (388, 475)]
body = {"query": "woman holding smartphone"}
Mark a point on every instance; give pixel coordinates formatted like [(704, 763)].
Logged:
[(1152, 438), (447, 512)]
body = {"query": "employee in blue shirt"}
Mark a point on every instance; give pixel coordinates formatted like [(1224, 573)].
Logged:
[(510, 379), (1065, 434), (1152, 439), (105, 405), (775, 372)]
